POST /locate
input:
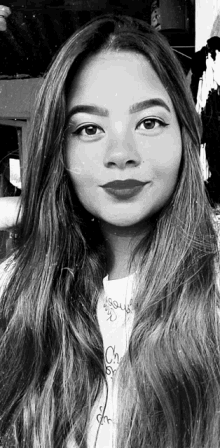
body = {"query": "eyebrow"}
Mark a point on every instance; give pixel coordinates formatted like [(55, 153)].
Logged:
[(137, 107), (102, 112)]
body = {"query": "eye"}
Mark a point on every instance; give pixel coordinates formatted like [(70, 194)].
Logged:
[(88, 130), (149, 124)]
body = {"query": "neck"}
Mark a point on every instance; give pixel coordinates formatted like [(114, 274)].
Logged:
[(121, 242)]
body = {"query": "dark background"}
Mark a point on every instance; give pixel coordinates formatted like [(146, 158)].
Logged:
[(37, 28)]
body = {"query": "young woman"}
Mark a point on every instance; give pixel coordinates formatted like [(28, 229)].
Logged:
[(113, 191)]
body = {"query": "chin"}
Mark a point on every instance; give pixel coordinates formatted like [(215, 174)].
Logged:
[(126, 223)]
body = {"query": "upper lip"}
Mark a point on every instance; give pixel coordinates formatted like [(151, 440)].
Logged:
[(122, 184)]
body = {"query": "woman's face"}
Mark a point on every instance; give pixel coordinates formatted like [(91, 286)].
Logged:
[(123, 145)]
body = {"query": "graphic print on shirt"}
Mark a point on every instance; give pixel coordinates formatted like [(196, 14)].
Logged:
[(111, 306), (115, 317), (102, 417), (112, 360)]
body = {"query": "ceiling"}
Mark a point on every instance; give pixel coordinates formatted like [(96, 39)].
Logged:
[(34, 35), (36, 30)]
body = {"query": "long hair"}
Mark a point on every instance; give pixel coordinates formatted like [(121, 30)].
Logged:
[(51, 356)]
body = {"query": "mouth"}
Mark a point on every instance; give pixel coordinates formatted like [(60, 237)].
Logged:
[(124, 184), (124, 189)]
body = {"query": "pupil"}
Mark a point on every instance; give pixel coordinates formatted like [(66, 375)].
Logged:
[(90, 130), (149, 124)]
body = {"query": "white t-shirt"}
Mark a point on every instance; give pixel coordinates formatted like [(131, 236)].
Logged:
[(115, 316)]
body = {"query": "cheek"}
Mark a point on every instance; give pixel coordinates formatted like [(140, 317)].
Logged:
[(79, 169), (73, 164), (164, 155), (168, 162)]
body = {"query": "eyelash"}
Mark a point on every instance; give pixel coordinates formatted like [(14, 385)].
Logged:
[(152, 119), (155, 120), (80, 129)]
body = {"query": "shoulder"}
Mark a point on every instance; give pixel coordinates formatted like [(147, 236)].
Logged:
[(6, 269), (6, 264)]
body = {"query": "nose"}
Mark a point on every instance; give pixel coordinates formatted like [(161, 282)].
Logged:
[(122, 153)]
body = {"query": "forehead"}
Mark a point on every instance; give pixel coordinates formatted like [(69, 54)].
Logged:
[(116, 79)]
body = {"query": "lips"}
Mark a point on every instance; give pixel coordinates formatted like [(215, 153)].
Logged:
[(123, 190), (124, 184)]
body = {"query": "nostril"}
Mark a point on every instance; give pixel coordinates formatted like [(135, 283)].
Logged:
[(111, 164), (130, 162), (121, 163)]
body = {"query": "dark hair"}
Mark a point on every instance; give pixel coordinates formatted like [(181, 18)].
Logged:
[(51, 358)]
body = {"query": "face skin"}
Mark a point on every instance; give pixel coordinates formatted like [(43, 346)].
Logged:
[(122, 140)]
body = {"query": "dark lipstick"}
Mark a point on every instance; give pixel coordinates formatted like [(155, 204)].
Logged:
[(123, 184), (124, 189)]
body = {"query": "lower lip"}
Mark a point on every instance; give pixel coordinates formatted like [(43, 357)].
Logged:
[(124, 193)]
